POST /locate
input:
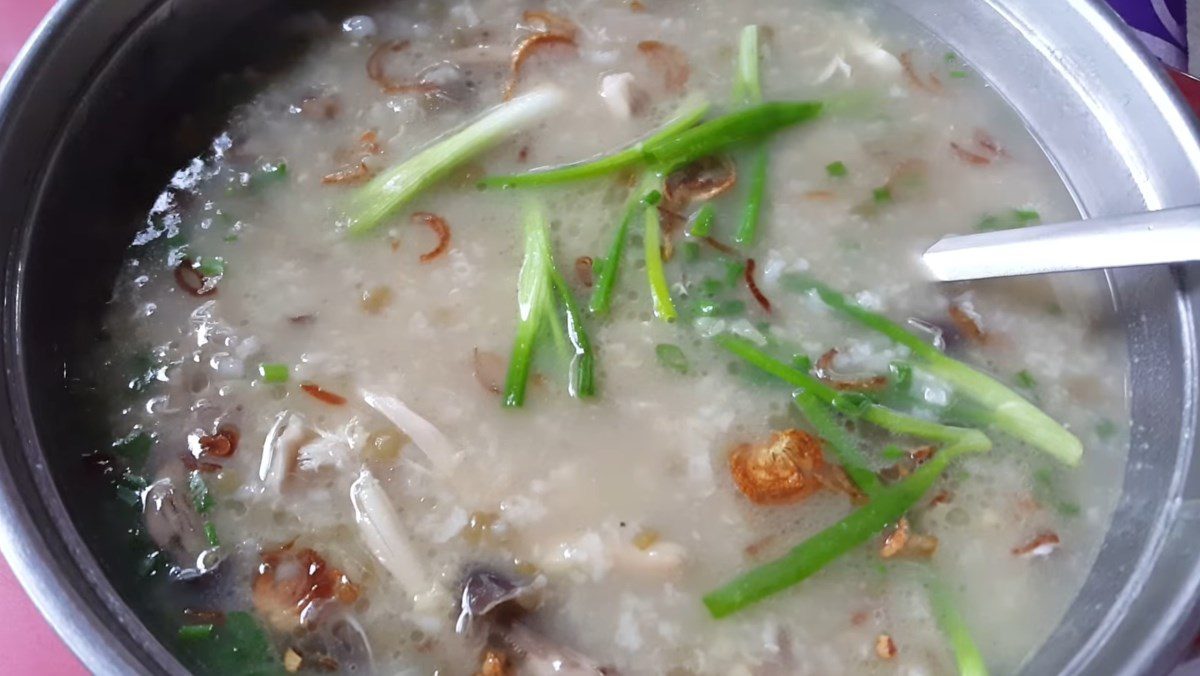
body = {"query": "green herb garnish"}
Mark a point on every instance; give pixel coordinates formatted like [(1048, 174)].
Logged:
[(274, 373), (836, 169), (671, 357)]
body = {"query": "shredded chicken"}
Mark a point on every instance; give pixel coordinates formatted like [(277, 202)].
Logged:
[(281, 450), (385, 536), (622, 95), (1043, 545), (436, 447)]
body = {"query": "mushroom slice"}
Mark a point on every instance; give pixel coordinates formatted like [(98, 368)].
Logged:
[(337, 640), (485, 592), (542, 656), (172, 522)]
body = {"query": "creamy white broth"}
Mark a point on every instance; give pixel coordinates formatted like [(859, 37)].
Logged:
[(570, 488)]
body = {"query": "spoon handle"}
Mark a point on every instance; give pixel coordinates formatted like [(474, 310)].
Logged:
[(1167, 236)]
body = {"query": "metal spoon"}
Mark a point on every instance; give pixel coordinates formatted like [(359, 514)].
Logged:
[(1150, 238)]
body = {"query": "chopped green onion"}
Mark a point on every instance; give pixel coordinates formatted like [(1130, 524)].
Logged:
[(740, 126), (970, 662), (802, 363), (274, 373), (660, 291), (1026, 380), (958, 74), (1007, 410), (373, 203), (671, 357), (211, 266), (852, 459), (836, 169), (747, 82), (893, 452), (902, 376), (210, 533), (755, 195), (687, 117), (1014, 218), (882, 195), (266, 175), (852, 404), (533, 297), (747, 92), (702, 222), (887, 506), (582, 379), (712, 308), (950, 57), (134, 448), (195, 632), (606, 271), (202, 500), (652, 198), (1106, 429)]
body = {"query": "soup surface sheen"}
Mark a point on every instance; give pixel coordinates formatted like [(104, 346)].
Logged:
[(620, 510)]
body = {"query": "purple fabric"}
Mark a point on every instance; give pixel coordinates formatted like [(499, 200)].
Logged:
[(1161, 24)]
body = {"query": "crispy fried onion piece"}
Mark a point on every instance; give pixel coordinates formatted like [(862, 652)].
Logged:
[(669, 61), (782, 471), (549, 22), (525, 49), (704, 179), (902, 542), (584, 271), (356, 172), (377, 71), (291, 583), (885, 647), (317, 392), (824, 371), (489, 370), (494, 662), (930, 84), (913, 459), (967, 321), (757, 293), (1042, 545), (220, 445), (440, 227), (189, 278)]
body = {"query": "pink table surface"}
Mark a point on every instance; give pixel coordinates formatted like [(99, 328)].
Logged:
[(28, 644)]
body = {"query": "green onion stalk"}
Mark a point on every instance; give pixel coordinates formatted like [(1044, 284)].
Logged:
[(748, 92), (687, 117), (680, 142), (660, 290), (538, 284), (1006, 410), (886, 506), (372, 204)]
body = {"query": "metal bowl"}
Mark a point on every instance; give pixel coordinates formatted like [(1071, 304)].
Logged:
[(84, 115)]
